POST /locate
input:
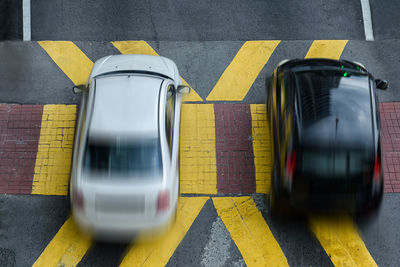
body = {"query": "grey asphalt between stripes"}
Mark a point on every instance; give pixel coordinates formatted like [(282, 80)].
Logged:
[(28, 223), (10, 20), (181, 20), (29, 75)]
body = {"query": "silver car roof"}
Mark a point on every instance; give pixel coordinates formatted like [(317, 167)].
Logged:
[(125, 105)]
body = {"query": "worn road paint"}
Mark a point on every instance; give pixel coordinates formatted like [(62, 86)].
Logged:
[(70, 59), (53, 159), (249, 231), (241, 73), (367, 19), (198, 171), (67, 247), (326, 49), (158, 252), (261, 147), (339, 237), (142, 47)]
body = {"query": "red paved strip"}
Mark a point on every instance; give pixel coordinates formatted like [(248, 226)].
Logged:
[(234, 149), (390, 124), (19, 138)]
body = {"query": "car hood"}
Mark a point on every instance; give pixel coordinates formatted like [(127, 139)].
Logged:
[(140, 63)]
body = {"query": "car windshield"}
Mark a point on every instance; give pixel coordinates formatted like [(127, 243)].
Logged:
[(133, 159)]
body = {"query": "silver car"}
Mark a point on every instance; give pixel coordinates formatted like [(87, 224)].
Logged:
[(125, 167)]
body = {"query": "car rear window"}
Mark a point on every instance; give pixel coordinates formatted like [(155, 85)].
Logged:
[(334, 164), (133, 159)]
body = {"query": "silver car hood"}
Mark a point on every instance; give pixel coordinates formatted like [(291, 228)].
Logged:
[(157, 64)]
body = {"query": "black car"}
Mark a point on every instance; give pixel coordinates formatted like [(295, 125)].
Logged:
[(325, 129)]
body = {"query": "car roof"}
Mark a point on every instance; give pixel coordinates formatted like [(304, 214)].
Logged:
[(126, 106), (335, 106)]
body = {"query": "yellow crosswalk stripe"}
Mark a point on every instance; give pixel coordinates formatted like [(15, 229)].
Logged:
[(158, 252), (241, 73), (53, 159), (261, 147), (142, 47), (134, 47), (326, 49), (249, 231), (66, 249), (339, 237), (198, 171), (70, 59), (197, 146)]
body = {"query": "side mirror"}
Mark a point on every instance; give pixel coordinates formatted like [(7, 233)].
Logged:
[(381, 84), (77, 89), (183, 89)]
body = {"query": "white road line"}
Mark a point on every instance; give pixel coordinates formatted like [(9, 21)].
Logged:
[(366, 10), (26, 20)]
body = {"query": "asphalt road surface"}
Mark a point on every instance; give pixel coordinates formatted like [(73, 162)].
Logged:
[(203, 38)]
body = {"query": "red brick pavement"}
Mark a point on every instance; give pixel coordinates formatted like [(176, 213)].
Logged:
[(19, 137), (390, 125), (20, 130), (234, 149)]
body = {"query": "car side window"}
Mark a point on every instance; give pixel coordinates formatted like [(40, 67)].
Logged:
[(169, 115)]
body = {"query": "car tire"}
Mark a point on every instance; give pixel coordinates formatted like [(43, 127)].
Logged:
[(278, 201), (370, 210)]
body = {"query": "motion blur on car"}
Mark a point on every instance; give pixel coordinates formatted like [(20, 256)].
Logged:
[(125, 167), (325, 129)]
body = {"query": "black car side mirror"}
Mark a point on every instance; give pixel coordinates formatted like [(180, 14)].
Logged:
[(77, 89), (381, 84)]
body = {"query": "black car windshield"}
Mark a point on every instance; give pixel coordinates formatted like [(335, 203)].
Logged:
[(333, 92), (133, 159)]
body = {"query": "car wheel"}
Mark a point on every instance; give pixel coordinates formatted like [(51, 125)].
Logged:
[(278, 202), (370, 210)]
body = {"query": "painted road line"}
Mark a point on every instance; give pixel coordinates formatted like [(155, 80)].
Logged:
[(70, 59), (67, 247), (26, 20), (53, 160), (249, 231), (234, 149), (198, 172), (326, 49), (339, 237), (142, 47), (261, 147), (241, 73), (158, 252), (366, 11), (134, 47)]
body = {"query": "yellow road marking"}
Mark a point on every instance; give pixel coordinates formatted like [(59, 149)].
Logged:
[(142, 47), (249, 231), (241, 73), (198, 171), (339, 237), (134, 47), (158, 252), (67, 247), (53, 159), (261, 147), (326, 49), (70, 59)]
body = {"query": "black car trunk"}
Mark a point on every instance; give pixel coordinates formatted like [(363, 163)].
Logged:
[(331, 177)]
